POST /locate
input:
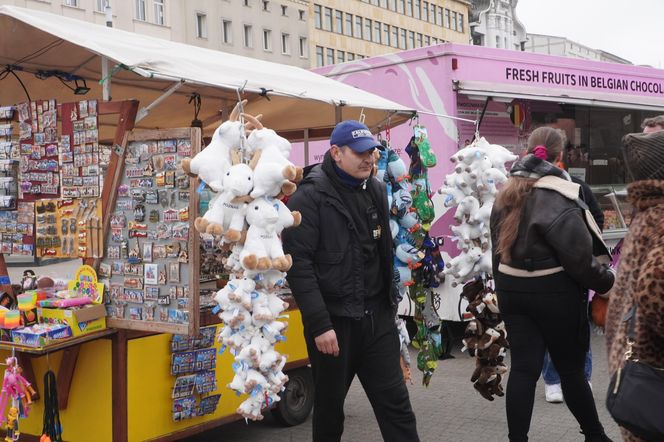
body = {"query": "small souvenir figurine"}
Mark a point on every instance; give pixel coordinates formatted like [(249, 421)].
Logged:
[(124, 249), (139, 213), (12, 425), (135, 253), (162, 275)]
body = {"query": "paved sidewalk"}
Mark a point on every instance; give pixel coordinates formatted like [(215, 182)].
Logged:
[(449, 410)]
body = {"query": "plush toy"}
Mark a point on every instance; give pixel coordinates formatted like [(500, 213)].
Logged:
[(273, 331), (262, 248), (242, 295), (211, 163), (468, 207), (273, 172), (226, 214)]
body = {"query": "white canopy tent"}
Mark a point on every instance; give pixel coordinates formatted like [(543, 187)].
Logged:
[(296, 102)]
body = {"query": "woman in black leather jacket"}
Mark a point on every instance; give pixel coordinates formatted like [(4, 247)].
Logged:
[(547, 250)]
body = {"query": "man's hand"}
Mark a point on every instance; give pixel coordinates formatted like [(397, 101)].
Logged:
[(327, 343)]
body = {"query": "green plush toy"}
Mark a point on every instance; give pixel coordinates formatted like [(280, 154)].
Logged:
[(426, 153)]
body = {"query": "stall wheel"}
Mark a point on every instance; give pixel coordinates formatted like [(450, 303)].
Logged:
[(297, 399)]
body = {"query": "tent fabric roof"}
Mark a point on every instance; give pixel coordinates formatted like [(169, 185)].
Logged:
[(297, 99)]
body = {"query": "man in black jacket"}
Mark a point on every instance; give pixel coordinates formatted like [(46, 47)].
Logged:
[(342, 280)]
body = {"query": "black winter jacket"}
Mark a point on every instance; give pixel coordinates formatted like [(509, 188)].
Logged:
[(556, 240), (326, 278)]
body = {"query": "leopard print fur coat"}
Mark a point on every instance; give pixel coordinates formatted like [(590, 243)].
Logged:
[(641, 280)]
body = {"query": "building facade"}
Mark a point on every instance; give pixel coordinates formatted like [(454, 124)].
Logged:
[(494, 24), (561, 46), (345, 30), (304, 33), (272, 30)]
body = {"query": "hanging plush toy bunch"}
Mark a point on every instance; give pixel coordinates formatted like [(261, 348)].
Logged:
[(478, 170), (417, 262), (250, 173)]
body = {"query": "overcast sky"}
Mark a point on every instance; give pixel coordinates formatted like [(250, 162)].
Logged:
[(631, 29)]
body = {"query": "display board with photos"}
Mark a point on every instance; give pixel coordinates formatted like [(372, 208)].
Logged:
[(150, 265)]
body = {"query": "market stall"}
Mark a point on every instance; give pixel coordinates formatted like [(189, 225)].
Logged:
[(134, 378)]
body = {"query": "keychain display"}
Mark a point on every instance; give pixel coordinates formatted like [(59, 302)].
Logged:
[(147, 264), (69, 228)]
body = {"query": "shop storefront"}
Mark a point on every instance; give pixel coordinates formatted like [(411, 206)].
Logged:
[(510, 93)]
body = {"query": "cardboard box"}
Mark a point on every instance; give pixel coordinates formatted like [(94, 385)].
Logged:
[(87, 319), (34, 337)]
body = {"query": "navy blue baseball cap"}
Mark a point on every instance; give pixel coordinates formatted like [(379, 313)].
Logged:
[(355, 135)]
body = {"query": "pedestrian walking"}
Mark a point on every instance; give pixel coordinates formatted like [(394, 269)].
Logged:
[(342, 280), (544, 242)]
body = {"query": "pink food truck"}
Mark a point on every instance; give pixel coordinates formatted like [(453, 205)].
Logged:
[(512, 92)]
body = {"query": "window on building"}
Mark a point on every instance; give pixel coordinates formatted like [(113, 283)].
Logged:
[(226, 31), (319, 56), (427, 40), (267, 40), (338, 22), (419, 40), (73, 3), (386, 34), (341, 56), (392, 5), (100, 5), (349, 25), (411, 39), (402, 38), (383, 3), (433, 18), (395, 37), (201, 25), (401, 6), (377, 32), (454, 21), (418, 9), (304, 49), (350, 56), (317, 18), (442, 11), (460, 22), (266, 5), (285, 43), (140, 9), (246, 3), (409, 8), (159, 12), (284, 10), (330, 56), (327, 19), (358, 27), (497, 41), (505, 41), (447, 18), (248, 36), (368, 27), (425, 11), (434, 40), (301, 13)]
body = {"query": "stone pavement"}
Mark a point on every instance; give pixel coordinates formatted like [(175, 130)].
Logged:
[(449, 410)]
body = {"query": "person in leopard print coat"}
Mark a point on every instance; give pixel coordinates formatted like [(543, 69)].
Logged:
[(640, 277)]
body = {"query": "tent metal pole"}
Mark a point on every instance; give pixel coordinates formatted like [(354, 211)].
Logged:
[(144, 111), (106, 86), (306, 146)]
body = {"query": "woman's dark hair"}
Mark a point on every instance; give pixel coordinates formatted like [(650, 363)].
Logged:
[(548, 137)]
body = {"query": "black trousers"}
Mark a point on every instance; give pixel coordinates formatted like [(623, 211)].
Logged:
[(556, 321), (368, 348)]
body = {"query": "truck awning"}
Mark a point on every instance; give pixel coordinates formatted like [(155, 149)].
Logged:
[(572, 96)]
